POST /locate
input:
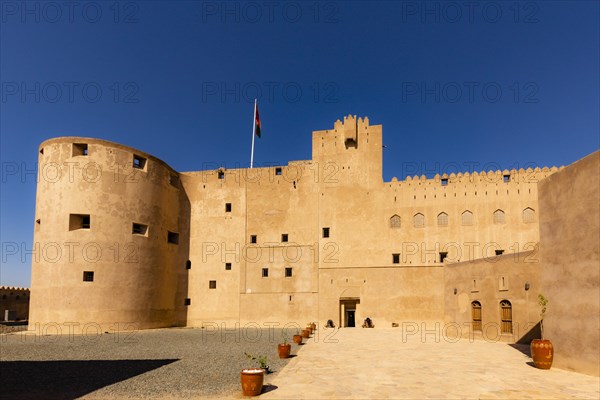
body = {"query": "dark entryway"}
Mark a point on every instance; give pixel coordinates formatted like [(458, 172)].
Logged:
[(350, 323)]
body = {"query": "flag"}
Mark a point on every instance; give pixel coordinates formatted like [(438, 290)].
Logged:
[(257, 122)]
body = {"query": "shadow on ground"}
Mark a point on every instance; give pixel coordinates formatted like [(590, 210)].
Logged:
[(523, 348), (67, 379)]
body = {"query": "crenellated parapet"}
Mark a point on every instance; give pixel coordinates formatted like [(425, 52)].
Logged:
[(529, 175)]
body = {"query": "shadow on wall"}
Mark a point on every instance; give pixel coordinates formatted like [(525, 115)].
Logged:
[(67, 379), (533, 333)]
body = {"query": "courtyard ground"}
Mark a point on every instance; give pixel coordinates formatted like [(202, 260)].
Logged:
[(334, 364)]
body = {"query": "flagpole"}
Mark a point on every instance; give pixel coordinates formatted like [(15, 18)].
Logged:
[(253, 134)]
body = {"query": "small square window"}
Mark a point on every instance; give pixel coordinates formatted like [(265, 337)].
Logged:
[(444, 181), (139, 162), (139, 229), (80, 149), (288, 272), (325, 232), (443, 256), (212, 284), (284, 237), (174, 180), (221, 174), (88, 276), (499, 252), (265, 272), (506, 178), (172, 237), (227, 207), (252, 238), (79, 221), (188, 302), (188, 264), (396, 258), (228, 266), (278, 171)]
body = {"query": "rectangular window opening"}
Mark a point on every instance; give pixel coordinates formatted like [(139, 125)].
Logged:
[(139, 229), (88, 276), (227, 266), (288, 272), (79, 221), (325, 232), (212, 284), (174, 180), (443, 256), (278, 171), (252, 238), (265, 272), (506, 178), (188, 302), (444, 181), (172, 237), (139, 162), (227, 207), (284, 237), (80, 149), (499, 252), (396, 258), (221, 174)]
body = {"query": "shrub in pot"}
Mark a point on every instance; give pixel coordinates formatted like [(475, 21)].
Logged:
[(252, 379), (542, 351)]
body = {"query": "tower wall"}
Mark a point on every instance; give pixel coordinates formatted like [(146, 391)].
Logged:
[(89, 196)]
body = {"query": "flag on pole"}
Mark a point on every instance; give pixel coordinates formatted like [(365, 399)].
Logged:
[(255, 131), (256, 122)]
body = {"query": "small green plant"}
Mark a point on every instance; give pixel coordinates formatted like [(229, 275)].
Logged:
[(543, 303), (261, 361)]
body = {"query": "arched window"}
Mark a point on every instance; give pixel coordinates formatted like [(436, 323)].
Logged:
[(467, 218), (395, 221), (499, 217), (442, 219), (419, 220), (476, 315), (506, 316), (528, 215)]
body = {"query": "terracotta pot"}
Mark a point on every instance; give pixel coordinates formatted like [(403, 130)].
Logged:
[(542, 353), (252, 381), (284, 350), (313, 326), (297, 339), (305, 333)]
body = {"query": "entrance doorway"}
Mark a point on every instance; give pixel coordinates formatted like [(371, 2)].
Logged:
[(348, 312), (350, 318)]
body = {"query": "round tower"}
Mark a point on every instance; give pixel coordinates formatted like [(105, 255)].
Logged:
[(110, 240)]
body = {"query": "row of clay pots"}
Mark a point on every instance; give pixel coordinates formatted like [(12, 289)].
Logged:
[(252, 379)]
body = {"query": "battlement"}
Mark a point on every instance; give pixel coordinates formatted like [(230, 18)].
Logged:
[(529, 175), (14, 289)]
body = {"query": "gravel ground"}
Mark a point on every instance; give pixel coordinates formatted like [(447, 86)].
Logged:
[(161, 363)]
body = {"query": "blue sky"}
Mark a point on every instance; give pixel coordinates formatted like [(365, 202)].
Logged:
[(477, 85)]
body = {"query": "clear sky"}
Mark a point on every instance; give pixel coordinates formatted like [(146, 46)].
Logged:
[(456, 85)]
